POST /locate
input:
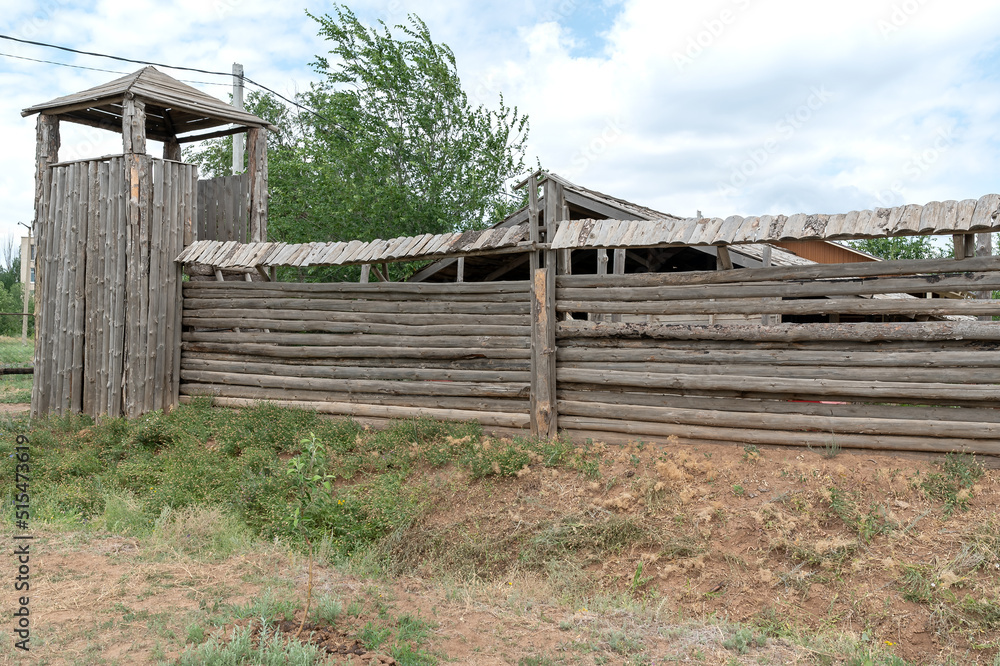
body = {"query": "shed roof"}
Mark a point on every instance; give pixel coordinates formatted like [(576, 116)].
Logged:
[(173, 108)]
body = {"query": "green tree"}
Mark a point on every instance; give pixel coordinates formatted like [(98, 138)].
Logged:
[(392, 146), (905, 247)]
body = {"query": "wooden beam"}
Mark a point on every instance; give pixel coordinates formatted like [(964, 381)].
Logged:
[(618, 268), (188, 138), (543, 354), (134, 126), (257, 172), (172, 150), (984, 248), (861, 332), (723, 261)]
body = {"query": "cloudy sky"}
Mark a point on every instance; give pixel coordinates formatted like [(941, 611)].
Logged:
[(724, 106)]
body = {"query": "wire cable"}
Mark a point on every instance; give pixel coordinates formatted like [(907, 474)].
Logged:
[(178, 67), (98, 69)]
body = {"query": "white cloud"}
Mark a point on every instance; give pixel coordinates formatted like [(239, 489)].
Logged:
[(685, 107)]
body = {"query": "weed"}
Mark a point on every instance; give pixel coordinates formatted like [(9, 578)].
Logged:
[(195, 634), (265, 607), (373, 636), (738, 490), (243, 647), (327, 609), (830, 450), (867, 524), (751, 454), (638, 582), (953, 485), (743, 639)]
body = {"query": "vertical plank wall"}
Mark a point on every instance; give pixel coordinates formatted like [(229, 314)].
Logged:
[(223, 208), (108, 300)]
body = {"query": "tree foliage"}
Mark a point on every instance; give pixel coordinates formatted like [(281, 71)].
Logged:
[(905, 247), (393, 147)]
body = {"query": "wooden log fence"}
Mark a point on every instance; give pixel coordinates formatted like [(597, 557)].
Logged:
[(501, 353), (382, 350)]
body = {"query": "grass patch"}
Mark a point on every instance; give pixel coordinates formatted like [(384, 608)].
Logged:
[(243, 646), (953, 484)]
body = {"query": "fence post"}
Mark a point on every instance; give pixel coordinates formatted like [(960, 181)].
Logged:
[(544, 418), (46, 153), (543, 352), (257, 173)]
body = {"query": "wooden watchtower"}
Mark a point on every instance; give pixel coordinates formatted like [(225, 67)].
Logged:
[(108, 296)]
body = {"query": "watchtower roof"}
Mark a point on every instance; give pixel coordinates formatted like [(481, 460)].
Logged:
[(173, 109)]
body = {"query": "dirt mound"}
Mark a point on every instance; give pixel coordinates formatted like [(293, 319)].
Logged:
[(902, 551)]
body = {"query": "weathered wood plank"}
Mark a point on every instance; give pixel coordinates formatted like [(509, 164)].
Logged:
[(779, 437), (875, 390), (359, 351), (482, 389), (787, 289), (778, 273), (861, 332), (349, 372)]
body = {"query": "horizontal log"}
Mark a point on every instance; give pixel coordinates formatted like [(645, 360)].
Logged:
[(354, 327), (348, 372), (360, 339), (388, 411), (784, 357), (516, 406), (816, 346), (438, 288), (263, 290), (945, 375), (811, 306), (874, 390), (439, 319), (579, 436), (861, 332), (855, 287), (337, 352), (778, 273), (817, 408), (791, 396), (785, 422), (374, 362), (779, 437), (330, 305), (480, 389)]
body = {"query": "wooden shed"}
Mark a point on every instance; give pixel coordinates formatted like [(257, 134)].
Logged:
[(582, 203), (108, 229)]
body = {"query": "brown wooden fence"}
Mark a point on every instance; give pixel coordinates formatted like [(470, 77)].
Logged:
[(387, 350), (892, 384), (473, 351)]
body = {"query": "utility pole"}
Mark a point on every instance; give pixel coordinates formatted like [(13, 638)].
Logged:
[(238, 139), (26, 283)]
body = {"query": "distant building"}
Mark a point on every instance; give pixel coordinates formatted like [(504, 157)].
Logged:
[(28, 262)]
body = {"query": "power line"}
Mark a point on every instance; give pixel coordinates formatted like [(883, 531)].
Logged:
[(160, 64), (98, 69), (62, 64)]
